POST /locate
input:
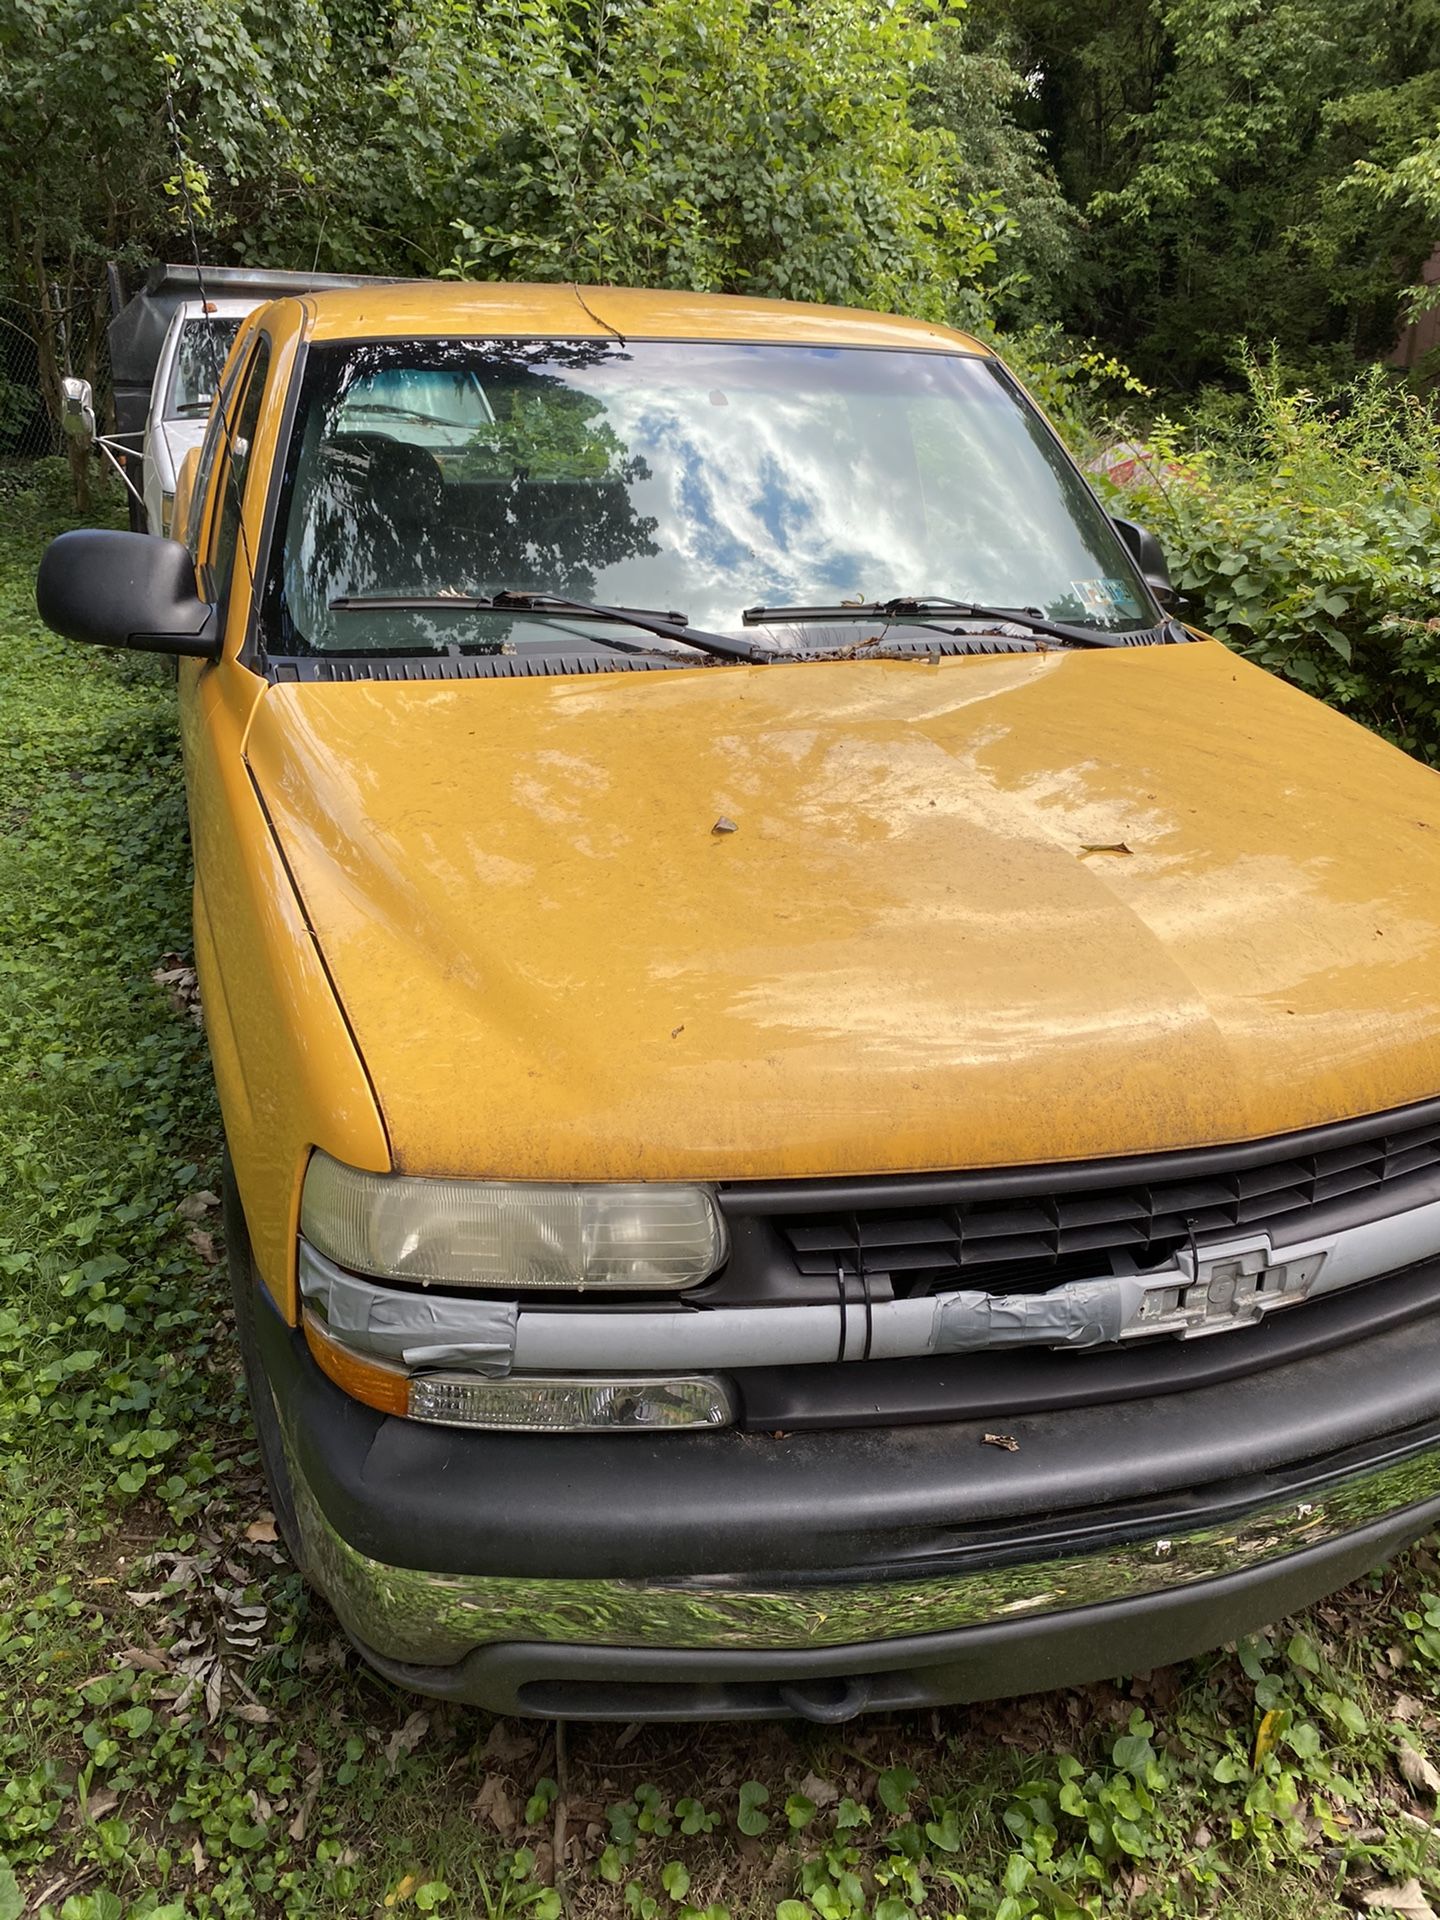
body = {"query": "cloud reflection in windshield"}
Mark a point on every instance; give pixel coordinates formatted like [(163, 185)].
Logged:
[(689, 475)]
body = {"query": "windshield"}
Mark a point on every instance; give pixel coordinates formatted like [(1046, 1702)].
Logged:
[(200, 356), (686, 477)]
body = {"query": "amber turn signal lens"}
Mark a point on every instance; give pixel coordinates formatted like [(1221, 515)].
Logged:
[(379, 1386)]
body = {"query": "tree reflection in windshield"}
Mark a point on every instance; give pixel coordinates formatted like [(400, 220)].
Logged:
[(538, 491)]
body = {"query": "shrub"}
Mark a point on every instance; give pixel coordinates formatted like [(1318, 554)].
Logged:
[(1305, 533), (722, 145)]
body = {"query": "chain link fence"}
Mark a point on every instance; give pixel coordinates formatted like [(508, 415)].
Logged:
[(27, 430)]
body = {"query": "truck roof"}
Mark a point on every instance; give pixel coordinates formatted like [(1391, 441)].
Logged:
[(421, 309)]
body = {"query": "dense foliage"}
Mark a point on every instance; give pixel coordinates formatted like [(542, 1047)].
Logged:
[(1304, 530), (1230, 160), (785, 148), (765, 149), (1168, 176)]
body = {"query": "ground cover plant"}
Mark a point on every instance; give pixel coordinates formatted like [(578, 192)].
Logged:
[(183, 1730)]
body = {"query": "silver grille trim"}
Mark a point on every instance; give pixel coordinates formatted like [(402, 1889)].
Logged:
[(1210, 1288)]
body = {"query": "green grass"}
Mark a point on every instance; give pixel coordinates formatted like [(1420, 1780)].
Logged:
[(183, 1729)]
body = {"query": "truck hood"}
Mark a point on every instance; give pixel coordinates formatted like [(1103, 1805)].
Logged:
[(984, 911)]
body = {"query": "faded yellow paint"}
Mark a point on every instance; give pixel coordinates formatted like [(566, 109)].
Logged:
[(989, 911), (421, 309), (286, 1069)]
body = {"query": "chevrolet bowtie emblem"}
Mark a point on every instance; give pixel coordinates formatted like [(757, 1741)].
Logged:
[(1234, 1284)]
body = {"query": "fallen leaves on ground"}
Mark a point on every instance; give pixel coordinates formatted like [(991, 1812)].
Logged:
[(1408, 1901), (493, 1803), (176, 978), (1416, 1768), (405, 1739)]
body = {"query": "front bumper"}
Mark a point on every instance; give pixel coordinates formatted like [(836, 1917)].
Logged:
[(731, 1574)]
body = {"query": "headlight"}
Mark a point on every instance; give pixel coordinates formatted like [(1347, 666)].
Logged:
[(490, 1233)]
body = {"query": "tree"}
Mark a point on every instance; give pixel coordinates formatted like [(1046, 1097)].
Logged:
[(764, 146), (110, 120), (972, 88), (1208, 146)]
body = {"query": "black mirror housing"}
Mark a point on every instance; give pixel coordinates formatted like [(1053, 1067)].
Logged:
[(118, 589), (1148, 554)]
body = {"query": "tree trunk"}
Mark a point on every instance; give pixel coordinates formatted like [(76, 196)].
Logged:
[(49, 338)]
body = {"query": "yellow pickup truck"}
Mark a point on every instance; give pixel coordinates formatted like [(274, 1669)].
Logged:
[(826, 1108)]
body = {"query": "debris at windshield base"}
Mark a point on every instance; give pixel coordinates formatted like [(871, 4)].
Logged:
[(1005, 1440), (722, 825)]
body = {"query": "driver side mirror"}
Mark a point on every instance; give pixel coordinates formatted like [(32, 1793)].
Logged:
[(1148, 554), (125, 590)]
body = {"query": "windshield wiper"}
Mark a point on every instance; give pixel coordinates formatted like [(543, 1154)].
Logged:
[(919, 608), (668, 626)]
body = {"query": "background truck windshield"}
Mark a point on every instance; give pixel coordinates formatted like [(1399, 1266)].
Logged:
[(200, 355), (692, 477)]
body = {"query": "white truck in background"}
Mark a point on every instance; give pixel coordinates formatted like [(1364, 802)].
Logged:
[(168, 345), (192, 358)]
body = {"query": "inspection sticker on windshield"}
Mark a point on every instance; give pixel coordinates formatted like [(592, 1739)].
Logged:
[(1105, 598)]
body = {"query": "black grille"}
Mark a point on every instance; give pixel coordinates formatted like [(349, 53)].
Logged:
[(1030, 1240)]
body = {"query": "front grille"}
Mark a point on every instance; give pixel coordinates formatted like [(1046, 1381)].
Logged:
[(1026, 1241)]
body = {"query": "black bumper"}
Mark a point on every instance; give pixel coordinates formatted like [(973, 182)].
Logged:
[(932, 1506)]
